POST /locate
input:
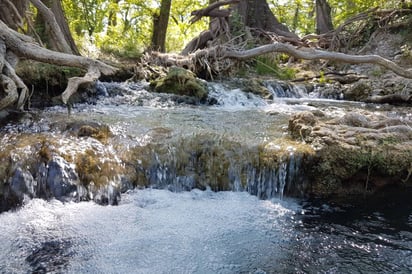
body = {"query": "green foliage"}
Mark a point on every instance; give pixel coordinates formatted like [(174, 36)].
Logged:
[(299, 15), (124, 28), (322, 78), (180, 31), (268, 65)]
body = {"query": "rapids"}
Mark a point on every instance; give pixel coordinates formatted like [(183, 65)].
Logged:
[(151, 231), (155, 230), (158, 231)]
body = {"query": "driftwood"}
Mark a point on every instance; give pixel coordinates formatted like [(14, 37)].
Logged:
[(213, 57)]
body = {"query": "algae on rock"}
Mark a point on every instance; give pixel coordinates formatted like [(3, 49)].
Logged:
[(183, 82), (357, 153)]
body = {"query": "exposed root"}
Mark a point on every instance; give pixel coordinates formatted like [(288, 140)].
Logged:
[(9, 88), (14, 45), (75, 82)]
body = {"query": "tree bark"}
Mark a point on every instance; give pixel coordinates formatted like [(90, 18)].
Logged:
[(257, 14), (57, 9), (160, 23), (57, 39), (323, 17), (12, 12)]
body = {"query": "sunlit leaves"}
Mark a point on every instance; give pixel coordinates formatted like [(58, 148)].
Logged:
[(112, 24), (126, 25), (299, 15)]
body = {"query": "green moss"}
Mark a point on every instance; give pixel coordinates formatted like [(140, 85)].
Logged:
[(256, 86), (41, 74), (93, 168), (99, 132), (268, 65), (360, 168), (181, 82)]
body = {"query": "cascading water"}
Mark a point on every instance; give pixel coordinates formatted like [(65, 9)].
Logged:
[(235, 144), (286, 90)]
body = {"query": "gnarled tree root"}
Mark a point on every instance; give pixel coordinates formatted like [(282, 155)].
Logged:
[(23, 46)]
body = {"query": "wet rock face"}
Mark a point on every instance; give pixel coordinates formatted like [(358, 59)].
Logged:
[(62, 179), (359, 91), (356, 153), (68, 169), (392, 90)]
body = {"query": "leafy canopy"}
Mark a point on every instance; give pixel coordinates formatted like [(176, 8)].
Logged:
[(124, 27)]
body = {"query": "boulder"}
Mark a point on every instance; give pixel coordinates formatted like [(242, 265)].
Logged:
[(356, 154), (181, 82)]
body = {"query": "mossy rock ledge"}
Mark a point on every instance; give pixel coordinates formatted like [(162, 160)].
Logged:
[(359, 153), (74, 165), (182, 82)]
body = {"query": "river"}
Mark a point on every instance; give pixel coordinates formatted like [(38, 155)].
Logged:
[(200, 231)]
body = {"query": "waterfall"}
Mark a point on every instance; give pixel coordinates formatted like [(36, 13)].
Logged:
[(221, 164), (285, 90)]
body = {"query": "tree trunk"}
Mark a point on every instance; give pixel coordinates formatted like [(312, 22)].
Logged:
[(12, 12), (257, 14), (53, 25), (57, 9), (323, 17), (14, 45), (160, 23)]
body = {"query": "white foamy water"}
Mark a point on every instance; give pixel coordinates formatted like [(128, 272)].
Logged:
[(151, 231)]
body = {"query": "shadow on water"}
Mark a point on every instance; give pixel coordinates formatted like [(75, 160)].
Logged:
[(360, 235), (51, 256)]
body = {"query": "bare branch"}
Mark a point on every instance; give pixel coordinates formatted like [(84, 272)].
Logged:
[(23, 48), (313, 54), (198, 14)]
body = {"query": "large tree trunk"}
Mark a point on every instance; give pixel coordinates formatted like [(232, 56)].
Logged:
[(57, 9), (257, 14), (323, 17), (254, 14), (160, 22)]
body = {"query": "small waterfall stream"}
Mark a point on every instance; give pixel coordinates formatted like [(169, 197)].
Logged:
[(197, 189), (230, 145)]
